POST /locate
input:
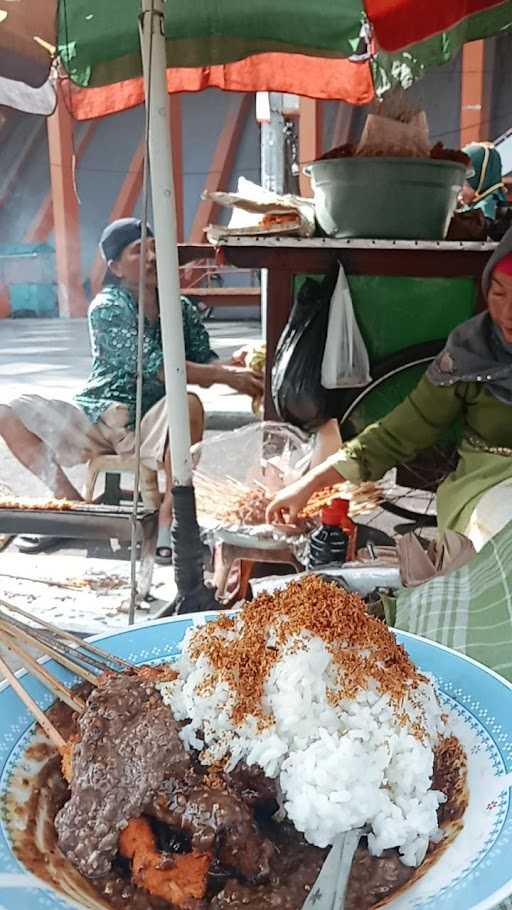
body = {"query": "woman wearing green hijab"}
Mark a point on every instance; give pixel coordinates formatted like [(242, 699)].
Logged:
[(484, 188)]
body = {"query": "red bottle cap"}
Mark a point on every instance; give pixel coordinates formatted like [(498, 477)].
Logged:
[(336, 513)]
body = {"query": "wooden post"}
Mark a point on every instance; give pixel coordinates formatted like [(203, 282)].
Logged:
[(279, 303), (476, 91), (42, 224), (310, 138), (66, 215)]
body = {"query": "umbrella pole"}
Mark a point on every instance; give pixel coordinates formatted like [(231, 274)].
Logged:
[(192, 594)]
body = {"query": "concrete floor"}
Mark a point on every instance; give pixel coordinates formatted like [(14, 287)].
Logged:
[(51, 357)]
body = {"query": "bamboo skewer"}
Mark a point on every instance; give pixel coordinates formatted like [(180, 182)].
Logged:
[(222, 499), (49, 649), (51, 731), (61, 633), (39, 581), (37, 669), (47, 639), (16, 635), (237, 484)]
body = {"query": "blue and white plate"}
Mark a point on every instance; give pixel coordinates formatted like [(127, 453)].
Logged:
[(474, 872)]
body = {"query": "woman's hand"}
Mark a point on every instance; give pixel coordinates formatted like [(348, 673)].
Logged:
[(286, 506)]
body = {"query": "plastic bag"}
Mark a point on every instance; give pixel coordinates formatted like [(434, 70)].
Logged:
[(237, 474), (388, 138), (345, 362), (266, 453), (395, 128), (417, 565), (297, 391)]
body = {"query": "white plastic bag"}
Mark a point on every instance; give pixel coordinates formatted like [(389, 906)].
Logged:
[(236, 476), (345, 363)]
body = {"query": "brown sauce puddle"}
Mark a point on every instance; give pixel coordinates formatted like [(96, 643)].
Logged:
[(373, 882)]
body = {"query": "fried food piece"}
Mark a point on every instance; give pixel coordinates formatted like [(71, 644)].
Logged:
[(157, 673), (149, 673), (67, 761), (275, 219), (177, 879), (67, 758), (216, 819), (37, 504)]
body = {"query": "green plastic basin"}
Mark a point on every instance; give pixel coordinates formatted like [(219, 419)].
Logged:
[(387, 198)]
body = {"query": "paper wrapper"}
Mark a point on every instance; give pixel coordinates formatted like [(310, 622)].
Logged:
[(251, 203)]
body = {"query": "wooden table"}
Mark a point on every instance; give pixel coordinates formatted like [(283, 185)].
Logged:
[(287, 257)]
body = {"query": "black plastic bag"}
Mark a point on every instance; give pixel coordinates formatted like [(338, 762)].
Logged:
[(297, 391)]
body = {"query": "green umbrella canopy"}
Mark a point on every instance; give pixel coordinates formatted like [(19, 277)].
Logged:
[(299, 46), (98, 40)]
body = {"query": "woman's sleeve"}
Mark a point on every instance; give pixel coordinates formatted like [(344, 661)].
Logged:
[(414, 425)]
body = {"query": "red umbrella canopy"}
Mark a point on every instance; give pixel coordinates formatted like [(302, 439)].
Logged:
[(334, 49), (400, 23)]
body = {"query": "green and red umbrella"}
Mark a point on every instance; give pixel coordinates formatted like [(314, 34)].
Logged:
[(347, 50)]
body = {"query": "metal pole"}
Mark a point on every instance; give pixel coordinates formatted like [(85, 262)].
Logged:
[(272, 173), (166, 239), (187, 548), (272, 146)]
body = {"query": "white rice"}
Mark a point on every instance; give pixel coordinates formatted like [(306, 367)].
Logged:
[(339, 766)]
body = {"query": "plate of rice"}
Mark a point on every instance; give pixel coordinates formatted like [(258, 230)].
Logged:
[(349, 724)]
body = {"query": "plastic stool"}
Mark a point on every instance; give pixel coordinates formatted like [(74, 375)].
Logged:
[(116, 464), (227, 554)]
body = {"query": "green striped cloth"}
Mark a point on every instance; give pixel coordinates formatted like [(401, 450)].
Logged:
[(469, 610)]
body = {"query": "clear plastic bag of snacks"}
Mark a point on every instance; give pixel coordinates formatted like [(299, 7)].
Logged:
[(238, 473)]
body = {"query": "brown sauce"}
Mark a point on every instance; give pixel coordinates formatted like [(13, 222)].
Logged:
[(292, 865)]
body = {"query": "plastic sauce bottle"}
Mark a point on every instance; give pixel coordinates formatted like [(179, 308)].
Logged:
[(332, 541), (347, 525)]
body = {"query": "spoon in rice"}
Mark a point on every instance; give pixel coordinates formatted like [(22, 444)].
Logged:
[(329, 889)]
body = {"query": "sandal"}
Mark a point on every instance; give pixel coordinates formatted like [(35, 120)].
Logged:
[(43, 544), (163, 554)]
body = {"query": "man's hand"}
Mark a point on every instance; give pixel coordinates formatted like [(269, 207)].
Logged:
[(243, 380), (239, 358)]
